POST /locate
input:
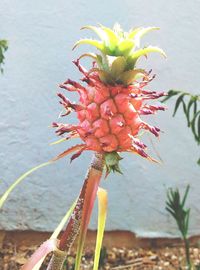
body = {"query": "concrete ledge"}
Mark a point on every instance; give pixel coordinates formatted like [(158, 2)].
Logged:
[(111, 239)]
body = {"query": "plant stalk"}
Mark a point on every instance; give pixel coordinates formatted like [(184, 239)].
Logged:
[(187, 253), (81, 212)]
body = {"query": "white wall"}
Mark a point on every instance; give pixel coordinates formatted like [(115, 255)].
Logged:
[(41, 35)]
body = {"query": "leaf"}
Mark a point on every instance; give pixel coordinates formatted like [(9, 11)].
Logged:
[(96, 57), (175, 206), (170, 94), (198, 128), (171, 212), (143, 52), (118, 66), (22, 177), (127, 77), (58, 141), (103, 75), (178, 102), (140, 32), (102, 205), (97, 30), (198, 162), (190, 103), (125, 46), (187, 218), (3, 48), (193, 126), (39, 255), (112, 38), (69, 151), (95, 43), (133, 32), (185, 196), (57, 232)]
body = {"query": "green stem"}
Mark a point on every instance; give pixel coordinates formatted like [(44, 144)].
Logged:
[(187, 252)]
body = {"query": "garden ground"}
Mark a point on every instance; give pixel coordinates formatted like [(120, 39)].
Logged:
[(122, 250)]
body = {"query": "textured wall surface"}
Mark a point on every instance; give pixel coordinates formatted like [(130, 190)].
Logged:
[(41, 35)]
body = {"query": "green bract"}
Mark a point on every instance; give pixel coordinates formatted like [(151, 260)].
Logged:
[(119, 52)]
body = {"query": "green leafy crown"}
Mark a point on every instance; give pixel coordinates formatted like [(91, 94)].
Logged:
[(119, 52)]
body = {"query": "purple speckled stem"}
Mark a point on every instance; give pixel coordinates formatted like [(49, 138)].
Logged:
[(71, 232)]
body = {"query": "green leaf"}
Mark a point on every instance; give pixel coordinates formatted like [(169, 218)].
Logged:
[(22, 177), (189, 106), (193, 126), (198, 126), (58, 141), (175, 206), (145, 51), (97, 30), (102, 206), (186, 225), (134, 32), (185, 196), (171, 212), (103, 75), (125, 46), (96, 57), (140, 32), (178, 102), (118, 66), (170, 94), (132, 59), (3, 48), (128, 77), (112, 38), (95, 43), (198, 162)]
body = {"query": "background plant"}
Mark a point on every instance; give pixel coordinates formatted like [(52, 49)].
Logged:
[(191, 108), (3, 48), (175, 205)]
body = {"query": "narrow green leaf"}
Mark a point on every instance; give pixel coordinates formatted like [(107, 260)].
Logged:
[(178, 102), (187, 222), (118, 66), (198, 127), (97, 30), (138, 33), (22, 177), (134, 31), (170, 94), (171, 212), (105, 77), (185, 196), (128, 77), (58, 141), (189, 106), (112, 38), (102, 206), (193, 125), (125, 46), (95, 43), (96, 57), (132, 59), (198, 161)]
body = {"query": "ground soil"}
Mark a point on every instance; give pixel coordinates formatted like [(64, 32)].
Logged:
[(170, 258)]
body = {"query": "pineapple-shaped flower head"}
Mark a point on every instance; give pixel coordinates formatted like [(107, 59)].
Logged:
[(113, 97)]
